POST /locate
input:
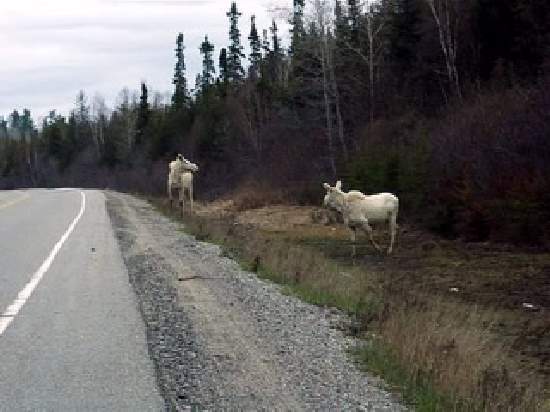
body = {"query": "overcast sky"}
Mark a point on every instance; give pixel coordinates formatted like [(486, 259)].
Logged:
[(49, 50)]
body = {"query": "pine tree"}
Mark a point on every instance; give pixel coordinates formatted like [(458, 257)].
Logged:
[(208, 69), (180, 96), (26, 124), (235, 71), (53, 131), (297, 22), (354, 18), (403, 37), (339, 19), (3, 129), (82, 108), (224, 75), (266, 47), (82, 127), (274, 54), (531, 40), (14, 120), (143, 114), (255, 48), (341, 29), (275, 40), (198, 85)]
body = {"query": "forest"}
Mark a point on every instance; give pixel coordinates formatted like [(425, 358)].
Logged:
[(442, 102)]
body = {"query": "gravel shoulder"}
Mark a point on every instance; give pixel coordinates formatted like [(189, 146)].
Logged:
[(223, 339)]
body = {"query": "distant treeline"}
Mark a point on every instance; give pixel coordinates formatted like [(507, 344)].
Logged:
[(443, 102)]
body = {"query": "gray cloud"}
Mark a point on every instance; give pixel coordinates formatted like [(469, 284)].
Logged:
[(51, 50)]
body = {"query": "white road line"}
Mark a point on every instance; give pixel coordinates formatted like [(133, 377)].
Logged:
[(11, 312)]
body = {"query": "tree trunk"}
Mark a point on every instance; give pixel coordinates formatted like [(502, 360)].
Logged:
[(339, 119), (328, 110), (448, 39)]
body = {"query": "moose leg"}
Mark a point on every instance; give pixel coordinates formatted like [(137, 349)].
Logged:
[(170, 193), (368, 230), (182, 201), (353, 240), (353, 234), (191, 198), (393, 230)]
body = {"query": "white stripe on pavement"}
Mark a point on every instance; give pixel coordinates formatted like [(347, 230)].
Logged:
[(11, 312)]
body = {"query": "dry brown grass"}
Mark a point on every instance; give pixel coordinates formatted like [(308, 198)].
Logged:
[(453, 344), (252, 195)]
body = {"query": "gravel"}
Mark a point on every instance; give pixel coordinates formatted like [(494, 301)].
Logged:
[(221, 338)]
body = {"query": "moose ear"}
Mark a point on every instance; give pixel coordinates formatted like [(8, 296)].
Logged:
[(326, 186), (339, 185)]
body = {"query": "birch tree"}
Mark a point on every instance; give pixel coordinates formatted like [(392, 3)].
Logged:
[(446, 17), (128, 115), (322, 23), (373, 29), (99, 122)]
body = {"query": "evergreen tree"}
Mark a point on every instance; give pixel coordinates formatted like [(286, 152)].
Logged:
[(255, 48), (341, 31), (198, 85), (81, 132), (143, 114), (50, 119), (354, 18), (514, 34), (266, 47), (3, 128), (208, 69), (27, 132), (26, 125), (274, 54), (180, 96), (275, 40), (235, 71), (82, 108), (340, 25), (14, 120), (348, 70), (403, 38), (531, 41), (224, 75), (297, 25), (73, 137), (52, 133)]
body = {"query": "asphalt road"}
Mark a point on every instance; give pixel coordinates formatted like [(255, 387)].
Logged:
[(71, 336)]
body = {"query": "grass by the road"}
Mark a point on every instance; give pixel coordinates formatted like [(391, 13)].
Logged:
[(443, 323)]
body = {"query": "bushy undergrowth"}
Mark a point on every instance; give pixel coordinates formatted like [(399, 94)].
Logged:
[(492, 165), (480, 172)]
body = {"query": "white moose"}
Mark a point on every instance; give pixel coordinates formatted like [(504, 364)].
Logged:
[(359, 210), (180, 176)]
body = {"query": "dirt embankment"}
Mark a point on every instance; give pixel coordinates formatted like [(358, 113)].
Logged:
[(501, 276), (222, 338), (483, 309)]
